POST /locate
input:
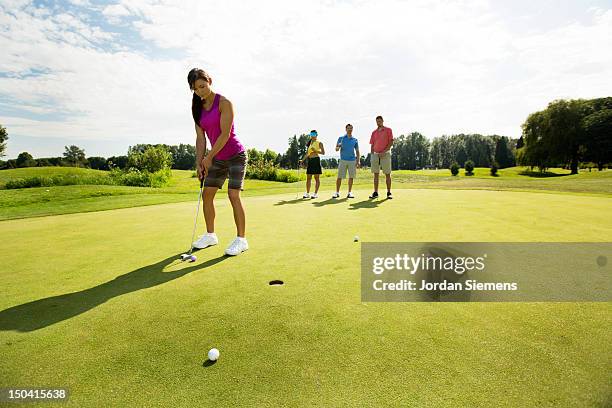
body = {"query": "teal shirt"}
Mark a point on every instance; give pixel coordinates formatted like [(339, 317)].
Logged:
[(348, 146)]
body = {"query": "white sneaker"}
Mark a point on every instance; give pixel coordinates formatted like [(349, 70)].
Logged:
[(237, 246), (206, 240), (350, 195), (336, 195), (314, 195), (306, 195)]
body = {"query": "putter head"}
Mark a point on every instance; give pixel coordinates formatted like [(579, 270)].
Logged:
[(185, 257)]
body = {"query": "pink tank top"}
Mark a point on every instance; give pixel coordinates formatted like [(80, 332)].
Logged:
[(210, 122)]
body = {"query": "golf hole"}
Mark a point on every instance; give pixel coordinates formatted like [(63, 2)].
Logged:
[(276, 282)]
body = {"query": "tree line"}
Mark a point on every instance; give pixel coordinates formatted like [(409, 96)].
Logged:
[(183, 158), (565, 134)]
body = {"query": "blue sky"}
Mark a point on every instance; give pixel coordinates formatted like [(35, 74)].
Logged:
[(106, 75)]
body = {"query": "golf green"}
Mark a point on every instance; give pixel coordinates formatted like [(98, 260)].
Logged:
[(97, 302)]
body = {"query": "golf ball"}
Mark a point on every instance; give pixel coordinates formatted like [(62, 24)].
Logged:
[(356, 238), (213, 354), (192, 258)]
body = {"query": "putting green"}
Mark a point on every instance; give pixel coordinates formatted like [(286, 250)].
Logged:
[(97, 302)]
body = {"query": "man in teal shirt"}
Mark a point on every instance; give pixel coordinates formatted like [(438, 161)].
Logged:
[(349, 160)]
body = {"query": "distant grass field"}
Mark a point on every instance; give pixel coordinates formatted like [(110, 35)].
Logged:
[(97, 302), (43, 201)]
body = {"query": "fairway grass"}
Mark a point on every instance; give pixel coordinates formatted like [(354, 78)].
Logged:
[(43, 201), (97, 302)]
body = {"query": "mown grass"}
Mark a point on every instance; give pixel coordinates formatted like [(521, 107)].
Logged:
[(20, 203), (97, 302)]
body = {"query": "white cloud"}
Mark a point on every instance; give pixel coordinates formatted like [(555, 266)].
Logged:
[(433, 66)]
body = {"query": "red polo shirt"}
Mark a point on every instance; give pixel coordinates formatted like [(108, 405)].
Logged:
[(380, 139)]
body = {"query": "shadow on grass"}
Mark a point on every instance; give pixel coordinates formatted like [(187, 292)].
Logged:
[(367, 204), (45, 312), (209, 363), (297, 200), (541, 174), (329, 201)]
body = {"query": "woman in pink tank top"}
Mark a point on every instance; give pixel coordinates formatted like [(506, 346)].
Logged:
[(213, 115)]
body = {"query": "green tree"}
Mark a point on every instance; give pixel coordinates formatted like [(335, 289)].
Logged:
[(183, 156), (561, 135), (97, 162), (254, 155), (469, 168), (3, 139), (152, 159), (292, 156), (25, 159), (598, 137), (503, 154), (74, 155)]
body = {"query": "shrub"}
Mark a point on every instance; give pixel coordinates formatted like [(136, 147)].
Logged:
[(153, 159), (494, 168), (267, 170), (469, 168), (286, 176), (136, 178), (59, 180), (454, 168), (261, 170)]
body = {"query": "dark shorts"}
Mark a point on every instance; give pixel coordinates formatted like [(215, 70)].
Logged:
[(314, 166), (233, 167)]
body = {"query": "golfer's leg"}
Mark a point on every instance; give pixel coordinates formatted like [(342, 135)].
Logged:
[(209, 208), (376, 182), (339, 183), (350, 184), (317, 183), (239, 215), (308, 181), (388, 176)]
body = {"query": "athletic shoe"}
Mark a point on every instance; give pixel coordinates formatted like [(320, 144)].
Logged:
[(306, 195), (389, 196), (374, 195), (237, 246), (314, 195), (336, 195), (206, 240), (350, 195)]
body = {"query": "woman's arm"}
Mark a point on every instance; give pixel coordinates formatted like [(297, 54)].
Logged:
[(200, 147), (322, 151)]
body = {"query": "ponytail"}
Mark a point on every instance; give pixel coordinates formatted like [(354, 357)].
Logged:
[(196, 108)]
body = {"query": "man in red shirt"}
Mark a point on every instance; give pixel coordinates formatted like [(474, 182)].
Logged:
[(381, 141)]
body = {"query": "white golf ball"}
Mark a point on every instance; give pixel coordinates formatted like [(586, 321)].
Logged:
[(356, 238), (213, 354)]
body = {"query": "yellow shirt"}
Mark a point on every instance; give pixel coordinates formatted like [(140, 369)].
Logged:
[(313, 149)]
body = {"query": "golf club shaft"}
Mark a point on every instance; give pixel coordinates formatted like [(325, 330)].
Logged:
[(195, 221)]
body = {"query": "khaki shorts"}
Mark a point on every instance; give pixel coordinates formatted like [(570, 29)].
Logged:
[(345, 165), (381, 160), (234, 168)]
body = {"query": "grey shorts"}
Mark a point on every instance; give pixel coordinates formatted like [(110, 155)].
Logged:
[(234, 168), (381, 161), (345, 165)]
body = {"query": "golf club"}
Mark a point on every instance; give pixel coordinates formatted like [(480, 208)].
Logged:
[(187, 255), (297, 188)]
